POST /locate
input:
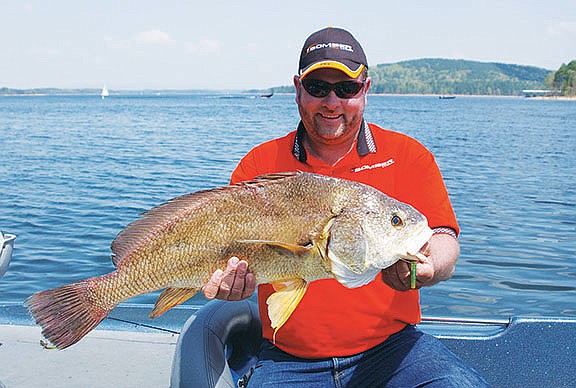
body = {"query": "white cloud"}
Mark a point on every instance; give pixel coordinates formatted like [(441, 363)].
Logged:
[(155, 38), (562, 28)]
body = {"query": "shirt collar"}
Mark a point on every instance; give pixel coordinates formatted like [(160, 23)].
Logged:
[(364, 146)]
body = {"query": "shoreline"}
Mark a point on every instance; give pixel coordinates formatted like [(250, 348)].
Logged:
[(559, 98), (433, 95)]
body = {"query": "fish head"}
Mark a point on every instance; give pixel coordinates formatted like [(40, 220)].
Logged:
[(398, 232), (373, 235)]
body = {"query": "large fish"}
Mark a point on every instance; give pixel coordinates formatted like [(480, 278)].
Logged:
[(292, 228)]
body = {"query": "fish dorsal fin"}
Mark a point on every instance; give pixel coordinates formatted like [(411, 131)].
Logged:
[(163, 216), (115, 259), (283, 302), (274, 176), (171, 297), (154, 221), (285, 249)]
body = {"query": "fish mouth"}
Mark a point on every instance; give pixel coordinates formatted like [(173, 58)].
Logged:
[(418, 245)]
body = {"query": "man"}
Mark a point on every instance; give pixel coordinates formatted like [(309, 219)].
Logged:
[(365, 336)]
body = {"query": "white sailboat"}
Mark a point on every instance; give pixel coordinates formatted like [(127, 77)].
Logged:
[(104, 92)]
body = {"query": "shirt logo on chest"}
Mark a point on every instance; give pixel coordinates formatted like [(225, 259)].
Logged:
[(385, 164)]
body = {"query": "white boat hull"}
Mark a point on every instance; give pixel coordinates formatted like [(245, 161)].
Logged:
[(6, 247)]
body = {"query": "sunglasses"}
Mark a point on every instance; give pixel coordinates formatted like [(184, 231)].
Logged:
[(320, 89)]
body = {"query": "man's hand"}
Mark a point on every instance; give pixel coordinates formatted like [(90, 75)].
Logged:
[(397, 275), (234, 283), (441, 254)]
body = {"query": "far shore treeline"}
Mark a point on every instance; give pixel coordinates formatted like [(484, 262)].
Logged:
[(462, 77), (422, 76), (564, 80), (446, 76)]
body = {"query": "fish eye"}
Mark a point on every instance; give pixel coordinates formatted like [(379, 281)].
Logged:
[(397, 222)]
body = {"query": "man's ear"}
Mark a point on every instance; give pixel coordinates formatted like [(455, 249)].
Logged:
[(297, 87), (368, 82)]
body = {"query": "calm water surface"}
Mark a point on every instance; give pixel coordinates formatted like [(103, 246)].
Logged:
[(75, 170)]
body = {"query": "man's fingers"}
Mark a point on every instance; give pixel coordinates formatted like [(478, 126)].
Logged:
[(239, 279), (250, 286), (397, 276), (227, 282), (234, 283), (211, 288), (232, 263), (237, 284)]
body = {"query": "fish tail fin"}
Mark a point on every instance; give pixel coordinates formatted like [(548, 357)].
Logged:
[(66, 313)]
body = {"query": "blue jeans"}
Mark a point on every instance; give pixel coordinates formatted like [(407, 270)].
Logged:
[(409, 358)]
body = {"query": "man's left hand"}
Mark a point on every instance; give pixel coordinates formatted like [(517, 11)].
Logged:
[(441, 254)]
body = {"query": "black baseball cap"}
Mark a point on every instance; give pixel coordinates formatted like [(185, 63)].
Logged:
[(332, 48)]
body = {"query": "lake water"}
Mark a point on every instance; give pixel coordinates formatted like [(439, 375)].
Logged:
[(75, 170)]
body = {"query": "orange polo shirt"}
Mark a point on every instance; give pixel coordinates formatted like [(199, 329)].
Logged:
[(332, 320)]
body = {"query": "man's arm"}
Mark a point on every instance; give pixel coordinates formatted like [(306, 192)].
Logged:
[(441, 256)]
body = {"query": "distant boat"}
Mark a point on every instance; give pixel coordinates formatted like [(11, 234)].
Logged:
[(446, 97), (267, 95), (104, 92)]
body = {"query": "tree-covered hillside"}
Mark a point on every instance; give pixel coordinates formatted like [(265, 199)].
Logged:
[(452, 76), (455, 76), (564, 80)]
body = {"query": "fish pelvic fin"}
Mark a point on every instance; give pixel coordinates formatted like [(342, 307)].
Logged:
[(171, 297), (66, 313), (283, 302)]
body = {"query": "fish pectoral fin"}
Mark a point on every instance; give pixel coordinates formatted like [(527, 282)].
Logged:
[(286, 249), (283, 302), (171, 297)]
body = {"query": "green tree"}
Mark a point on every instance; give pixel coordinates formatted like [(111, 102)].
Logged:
[(565, 79)]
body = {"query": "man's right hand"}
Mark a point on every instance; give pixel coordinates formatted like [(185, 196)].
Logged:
[(234, 283)]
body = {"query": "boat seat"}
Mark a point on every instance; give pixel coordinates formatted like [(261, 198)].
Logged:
[(219, 344)]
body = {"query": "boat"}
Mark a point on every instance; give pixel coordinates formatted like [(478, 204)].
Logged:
[(120, 353), (221, 342), (215, 344), (6, 248), (104, 92), (446, 97), (267, 95)]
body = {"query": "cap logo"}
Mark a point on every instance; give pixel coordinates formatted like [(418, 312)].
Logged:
[(335, 46)]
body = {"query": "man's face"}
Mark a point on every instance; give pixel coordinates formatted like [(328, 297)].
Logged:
[(331, 119)]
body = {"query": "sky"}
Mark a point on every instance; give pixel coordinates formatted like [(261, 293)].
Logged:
[(254, 44)]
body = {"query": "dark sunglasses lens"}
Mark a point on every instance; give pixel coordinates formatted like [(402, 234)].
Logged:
[(347, 89), (316, 88), (320, 89)]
